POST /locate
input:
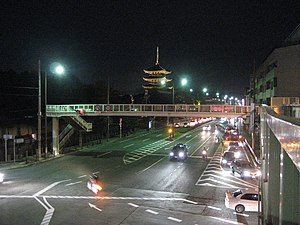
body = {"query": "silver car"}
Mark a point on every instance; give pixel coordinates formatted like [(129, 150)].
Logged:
[(245, 169)]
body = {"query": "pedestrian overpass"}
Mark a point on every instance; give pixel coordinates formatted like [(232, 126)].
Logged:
[(74, 115)]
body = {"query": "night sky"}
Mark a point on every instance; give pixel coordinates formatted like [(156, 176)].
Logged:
[(213, 43)]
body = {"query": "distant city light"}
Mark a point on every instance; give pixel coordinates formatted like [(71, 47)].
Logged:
[(204, 90)]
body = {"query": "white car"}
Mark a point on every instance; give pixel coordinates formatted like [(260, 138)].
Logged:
[(242, 200), (207, 127), (1, 177)]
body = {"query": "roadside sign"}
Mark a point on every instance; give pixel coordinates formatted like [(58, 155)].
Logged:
[(19, 140), (7, 136)]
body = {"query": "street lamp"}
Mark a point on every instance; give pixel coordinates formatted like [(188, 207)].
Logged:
[(183, 82), (58, 69)]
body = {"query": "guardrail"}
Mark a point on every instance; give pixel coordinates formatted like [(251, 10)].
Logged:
[(146, 110)]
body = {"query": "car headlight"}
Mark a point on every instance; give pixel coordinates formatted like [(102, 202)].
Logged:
[(237, 154), (224, 161), (258, 173), (1, 177), (246, 173), (171, 153), (181, 154)]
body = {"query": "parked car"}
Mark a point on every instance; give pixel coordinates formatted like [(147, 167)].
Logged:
[(227, 158), (245, 169), (242, 200), (1, 177), (179, 152)]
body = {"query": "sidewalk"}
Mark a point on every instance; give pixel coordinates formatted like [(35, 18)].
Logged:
[(31, 160)]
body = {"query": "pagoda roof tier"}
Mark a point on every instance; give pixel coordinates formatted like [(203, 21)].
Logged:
[(155, 86), (155, 79), (156, 70)]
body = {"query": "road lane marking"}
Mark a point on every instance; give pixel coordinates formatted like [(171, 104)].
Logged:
[(149, 166), (212, 207), (228, 221), (158, 135), (49, 187), (95, 207), (146, 139), (174, 219), (104, 154), (189, 201), (82, 176), (241, 214), (126, 146), (48, 216), (134, 205), (78, 182), (151, 211)]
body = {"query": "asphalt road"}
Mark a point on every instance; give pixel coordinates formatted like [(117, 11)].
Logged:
[(141, 185)]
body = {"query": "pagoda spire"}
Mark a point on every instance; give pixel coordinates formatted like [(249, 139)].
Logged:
[(157, 55)]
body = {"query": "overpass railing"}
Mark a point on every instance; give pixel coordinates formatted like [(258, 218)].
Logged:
[(145, 110), (280, 155)]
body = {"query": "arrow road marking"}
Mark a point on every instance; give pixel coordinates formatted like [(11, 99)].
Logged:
[(95, 207)]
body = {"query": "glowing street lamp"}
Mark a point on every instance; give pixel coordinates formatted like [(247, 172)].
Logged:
[(184, 82), (204, 90), (56, 68)]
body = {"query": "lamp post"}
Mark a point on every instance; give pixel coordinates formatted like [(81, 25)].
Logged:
[(59, 70), (39, 149)]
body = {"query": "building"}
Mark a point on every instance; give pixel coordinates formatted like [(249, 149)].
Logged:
[(156, 82), (278, 75)]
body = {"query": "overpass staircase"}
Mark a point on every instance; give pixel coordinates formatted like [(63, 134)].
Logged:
[(74, 123)]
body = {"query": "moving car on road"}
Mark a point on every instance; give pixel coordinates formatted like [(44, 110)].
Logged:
[(240, 201), (227, 158), (179, 152), (245, 169)]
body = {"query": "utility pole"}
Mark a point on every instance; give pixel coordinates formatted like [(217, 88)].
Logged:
[(108, 87), (39, 149)]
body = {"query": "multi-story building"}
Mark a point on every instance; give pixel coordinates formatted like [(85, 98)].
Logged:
[(279, 74)]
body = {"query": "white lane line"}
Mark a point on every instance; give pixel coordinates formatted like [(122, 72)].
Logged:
[(212, 207), (49, 187), (96, 172), (82, 176), (151, 211), (158, 135), (134, 205), (47, 203), (104, 154), (39, 201), (146, 139), (78, 182), (227, 221), (241, 214), (149, 166), (174, 219), (128, 146), (195, 203), (47, 217)]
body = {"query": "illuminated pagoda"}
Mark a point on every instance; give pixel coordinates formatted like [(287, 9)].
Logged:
[(156, 76)]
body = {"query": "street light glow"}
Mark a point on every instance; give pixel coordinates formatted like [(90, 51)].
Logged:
[(204, 90), (59, 70), (183, 81)]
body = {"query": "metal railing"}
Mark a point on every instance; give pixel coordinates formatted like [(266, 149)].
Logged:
[(146, 110)]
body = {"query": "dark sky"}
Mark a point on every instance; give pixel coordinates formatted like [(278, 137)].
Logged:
[(214, 43)]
